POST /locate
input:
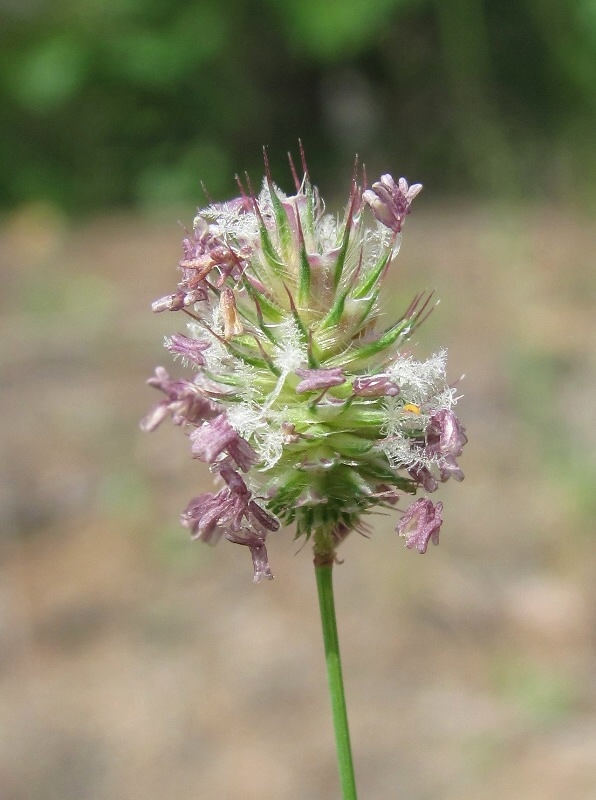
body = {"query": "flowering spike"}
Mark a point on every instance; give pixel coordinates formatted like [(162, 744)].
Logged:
[(295, 385)]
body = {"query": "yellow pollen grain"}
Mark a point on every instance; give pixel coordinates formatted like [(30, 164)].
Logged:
[(411, 407)]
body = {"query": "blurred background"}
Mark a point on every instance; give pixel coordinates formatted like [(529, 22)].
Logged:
[(134, 664)]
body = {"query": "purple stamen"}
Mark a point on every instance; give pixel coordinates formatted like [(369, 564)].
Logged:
[(390, 202), (315, 379), (420, 524)]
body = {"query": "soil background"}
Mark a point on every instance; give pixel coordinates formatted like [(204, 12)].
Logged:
[(136, 665)]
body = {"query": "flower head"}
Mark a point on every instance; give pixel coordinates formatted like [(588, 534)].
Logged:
[(296, 385)]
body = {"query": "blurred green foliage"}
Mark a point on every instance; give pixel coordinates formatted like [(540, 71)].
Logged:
[(134, 102)]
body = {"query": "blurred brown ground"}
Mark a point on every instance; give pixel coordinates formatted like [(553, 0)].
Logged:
[(135, 665)]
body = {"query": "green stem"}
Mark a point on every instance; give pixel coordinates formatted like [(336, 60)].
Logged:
[(323, 572)]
